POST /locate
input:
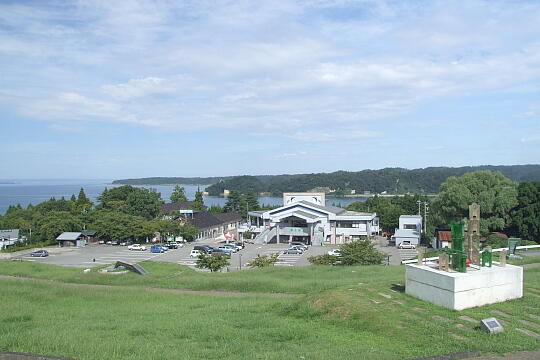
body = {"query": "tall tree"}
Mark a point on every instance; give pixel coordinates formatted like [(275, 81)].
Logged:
[(526, 216), (178, 194), (233, 201), (495, 193), (198, 203)]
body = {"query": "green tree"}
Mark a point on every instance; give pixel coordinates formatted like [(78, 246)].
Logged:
[(198, 203), (83, 202), (526, 216), (495, 193), (213, 263), (189, 232), (234, 201), (249, 202), (51, 224), (178, 194), (263, 261), (360, 252)]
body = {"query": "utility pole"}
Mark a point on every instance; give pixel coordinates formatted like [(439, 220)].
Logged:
[(418, 202), (426, 211)]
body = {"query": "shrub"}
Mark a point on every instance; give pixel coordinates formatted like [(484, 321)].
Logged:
[(496, 241), (264, 260), (324, 260), (214, 262), (360, 252)]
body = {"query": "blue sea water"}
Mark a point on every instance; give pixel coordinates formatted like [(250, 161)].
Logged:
[(25, 192)]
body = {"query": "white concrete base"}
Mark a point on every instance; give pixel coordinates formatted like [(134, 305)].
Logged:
[(460, 291)]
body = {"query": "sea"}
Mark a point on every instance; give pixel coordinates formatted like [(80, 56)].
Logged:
[(25, 192)]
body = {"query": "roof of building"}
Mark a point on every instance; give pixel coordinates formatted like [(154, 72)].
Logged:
[(176, 206), (9, 234), (228, 217), (406, 233), (333, 209), (411, 216), (89, 232), (69, 236), (445, 236)]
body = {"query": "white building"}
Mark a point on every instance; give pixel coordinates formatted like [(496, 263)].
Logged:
[(410, 228), (410, 222), (9, 237), (304, 217)]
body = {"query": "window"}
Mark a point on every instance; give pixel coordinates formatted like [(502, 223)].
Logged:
[(409, 226)]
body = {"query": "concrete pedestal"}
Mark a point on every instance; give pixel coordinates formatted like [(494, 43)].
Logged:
[(460, 291)]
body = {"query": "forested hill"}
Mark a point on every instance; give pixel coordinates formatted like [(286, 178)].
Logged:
[(392, 180), (172, 180)]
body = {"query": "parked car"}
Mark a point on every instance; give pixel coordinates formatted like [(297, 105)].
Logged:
[(195, 253), (293, 250), (114, 242), (173, 245), (302, 245), (206, 248), (406, 245), (124, 243), (157, 249), (233, 247), (102, 241), (137, 247), (240, 244), (334, 252), (222, 250), (40, 253), (226, 249)]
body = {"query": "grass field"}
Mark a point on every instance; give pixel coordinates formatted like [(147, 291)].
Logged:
[(277, 313)]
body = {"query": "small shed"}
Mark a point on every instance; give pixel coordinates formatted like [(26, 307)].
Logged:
[(90, 236), (71, 239)]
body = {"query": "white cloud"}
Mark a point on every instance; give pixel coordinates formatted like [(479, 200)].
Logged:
[(281, 68)]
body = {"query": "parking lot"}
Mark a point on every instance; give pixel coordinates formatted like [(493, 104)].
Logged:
[(101, 254)]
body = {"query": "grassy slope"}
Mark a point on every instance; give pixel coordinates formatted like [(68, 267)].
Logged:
[(337, 318)]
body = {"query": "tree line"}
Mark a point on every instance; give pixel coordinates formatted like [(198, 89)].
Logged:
[(121, 213), (391, 180), (505, 205)]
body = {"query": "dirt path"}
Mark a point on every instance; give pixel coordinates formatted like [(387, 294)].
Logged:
[(522, 355), (158, 289)]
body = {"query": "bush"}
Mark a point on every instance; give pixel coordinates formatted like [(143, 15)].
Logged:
[(247, 235), (214, 262), (324, 260), (496, 241), (264, 260), (360, 252)]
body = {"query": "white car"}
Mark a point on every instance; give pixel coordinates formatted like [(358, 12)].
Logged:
[(137, 247), (335, 252), (194, 253), (406, 245)]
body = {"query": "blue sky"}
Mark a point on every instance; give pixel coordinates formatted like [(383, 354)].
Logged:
[(117, 89)]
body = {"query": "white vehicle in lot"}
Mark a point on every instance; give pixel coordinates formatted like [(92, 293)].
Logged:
[(334, 252), (137, 247), (194, 253), (406, 245)]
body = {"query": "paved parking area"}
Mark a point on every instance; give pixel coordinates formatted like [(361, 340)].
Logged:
[(100, 254)]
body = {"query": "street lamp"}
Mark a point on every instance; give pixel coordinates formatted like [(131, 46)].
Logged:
[(418, 202)]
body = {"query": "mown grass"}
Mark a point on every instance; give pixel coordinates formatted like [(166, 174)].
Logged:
[(274, 279), (343, 313)]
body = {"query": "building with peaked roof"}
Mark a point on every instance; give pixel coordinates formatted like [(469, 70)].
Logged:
[(71, 239), (306, 218)]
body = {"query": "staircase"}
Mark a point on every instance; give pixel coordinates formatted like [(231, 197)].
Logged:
[(265, 236), (406, 254)]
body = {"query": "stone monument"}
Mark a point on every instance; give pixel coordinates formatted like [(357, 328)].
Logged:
[(464, 277)]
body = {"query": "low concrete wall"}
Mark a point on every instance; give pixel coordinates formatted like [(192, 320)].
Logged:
[(459, 291)]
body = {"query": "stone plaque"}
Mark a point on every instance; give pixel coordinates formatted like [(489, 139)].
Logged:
[(491, 325)]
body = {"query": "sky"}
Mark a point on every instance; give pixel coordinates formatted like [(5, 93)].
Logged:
[(123, 89)]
